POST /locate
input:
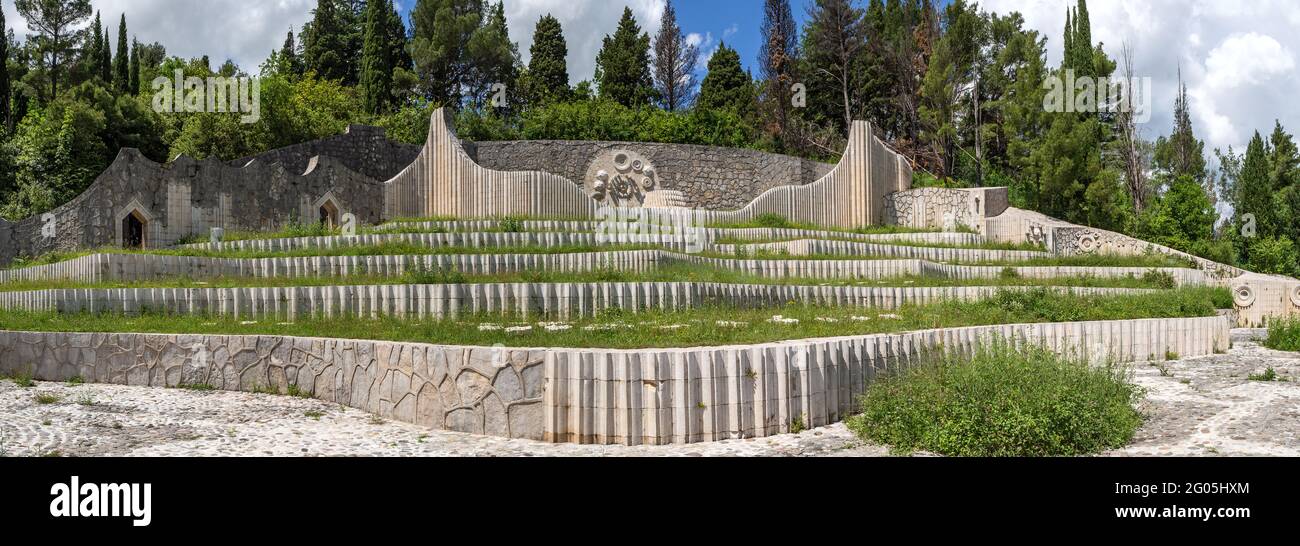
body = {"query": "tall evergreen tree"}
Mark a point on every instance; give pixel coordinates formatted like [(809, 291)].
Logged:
[(623, 64), (325, 42), (834, 42), (776, 63), (1067, 61), (106, 59), (56, 23), (121, 63), (397, 40), (135, 67), (675, 63), (6, 114), (548, 69), (91, 54), (290, 60), (441, 31), (1182, 154), (376, 59), (1083, 41), (1254, 189), (493, 60), (726, 86)]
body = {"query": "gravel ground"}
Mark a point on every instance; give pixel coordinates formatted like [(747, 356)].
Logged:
[(1199, 406)]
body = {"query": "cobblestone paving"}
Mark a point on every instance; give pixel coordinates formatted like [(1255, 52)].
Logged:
[(1202, 406)]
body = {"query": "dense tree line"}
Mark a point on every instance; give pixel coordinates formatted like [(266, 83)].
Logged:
[(957, 90)]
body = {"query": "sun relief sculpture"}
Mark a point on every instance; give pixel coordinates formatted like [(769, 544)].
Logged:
[(621, 178)]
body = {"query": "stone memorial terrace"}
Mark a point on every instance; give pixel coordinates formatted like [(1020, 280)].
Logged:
[(417, 302)]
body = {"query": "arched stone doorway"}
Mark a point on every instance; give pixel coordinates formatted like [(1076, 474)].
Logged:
[(133, 226)]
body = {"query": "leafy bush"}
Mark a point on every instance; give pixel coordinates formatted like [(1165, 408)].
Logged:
[(1004, 401), (511, 224), (421, 273), (1283, 334), (1160, 279)]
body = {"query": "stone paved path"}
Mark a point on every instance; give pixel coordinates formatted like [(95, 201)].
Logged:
[(1202, 406)]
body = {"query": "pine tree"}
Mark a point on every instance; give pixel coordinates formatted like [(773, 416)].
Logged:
[(623, 64), (135, 67), (441, 31), (726, 86), (1254, 191), (325, 43), (493, 59), (121, 64), (397, 40), (675, 63), (290, 62), (548, 69), (57, 24), (1182, 154), (834, 43), (376, 59)]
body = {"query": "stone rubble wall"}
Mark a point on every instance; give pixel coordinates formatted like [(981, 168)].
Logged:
[(361, 148), (144, 267), (945, 208), (707, 177), (519, 301), (648, 396), (811, 247)]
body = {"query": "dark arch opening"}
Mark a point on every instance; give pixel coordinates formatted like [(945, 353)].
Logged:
[(134, 228), (329, 215)]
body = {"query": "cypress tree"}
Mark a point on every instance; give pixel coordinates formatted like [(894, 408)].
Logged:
[(623, 64), (398, 52), (726, 86), (106, 60), (376, 58), (548, 68), (92, 53), (121, 66), (290, 62), (1067, 60), (135, 67), (6, 114), (1083, 41)]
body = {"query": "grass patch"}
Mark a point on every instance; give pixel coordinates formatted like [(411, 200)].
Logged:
[(46, 398), (1269, 375), (777, 221), (1283, 334), (627, 329), (76, 380), (1003, 401)]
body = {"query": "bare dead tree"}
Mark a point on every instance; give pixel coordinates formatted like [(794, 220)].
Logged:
[(675, 63), (1135, 160)]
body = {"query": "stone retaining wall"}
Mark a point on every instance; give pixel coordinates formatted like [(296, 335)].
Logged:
[(564, 301), (143, 267), (651, 396), (810, 247)]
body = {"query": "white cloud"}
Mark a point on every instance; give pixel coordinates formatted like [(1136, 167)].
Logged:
[(245, 31), (585, 22), (1237, 58)]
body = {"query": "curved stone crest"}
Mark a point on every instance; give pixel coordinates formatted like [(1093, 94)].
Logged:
[(621, 178)]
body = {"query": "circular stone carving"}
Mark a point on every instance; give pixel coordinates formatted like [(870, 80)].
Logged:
[(1088, 243), (621, 178), (1243, 296), (1295, 295)]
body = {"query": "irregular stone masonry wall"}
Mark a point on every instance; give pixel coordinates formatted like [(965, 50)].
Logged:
[(651, 396), (362, 148), (683, 396), (521, 301), (707, 177), (808, 247), (143, 267)]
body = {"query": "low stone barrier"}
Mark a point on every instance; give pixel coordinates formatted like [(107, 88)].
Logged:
[(564, 301), (807, 247), (649, 396)]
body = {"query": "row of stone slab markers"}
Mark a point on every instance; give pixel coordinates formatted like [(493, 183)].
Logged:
[(204, 238)]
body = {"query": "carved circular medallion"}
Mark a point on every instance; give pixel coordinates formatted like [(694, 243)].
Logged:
[(1088, 243), (1295, 295), (1243, 296)]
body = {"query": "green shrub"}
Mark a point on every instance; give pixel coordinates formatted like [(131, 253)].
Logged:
[(1004, 401), (511, 224), (1283, 334), (1269, 375), (771, 220), (1009, 273), (422, 273), (1160, 279)]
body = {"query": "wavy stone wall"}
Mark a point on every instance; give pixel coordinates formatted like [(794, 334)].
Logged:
[(651, 396), (445, 181)]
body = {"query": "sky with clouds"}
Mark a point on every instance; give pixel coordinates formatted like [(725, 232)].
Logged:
[(1238, 58)]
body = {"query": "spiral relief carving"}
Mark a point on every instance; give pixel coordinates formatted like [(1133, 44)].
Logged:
[(1243, 296)]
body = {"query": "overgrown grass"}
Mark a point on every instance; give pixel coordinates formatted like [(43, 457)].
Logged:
[(987, 245), (1003, 401), (672, 272), (1100, 260), (1283, 334), (627, 329)]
